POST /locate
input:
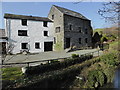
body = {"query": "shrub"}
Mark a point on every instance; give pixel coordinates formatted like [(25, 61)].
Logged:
[(110, 59), (55, 65), (54, 61), (75, 55), (95, 76)]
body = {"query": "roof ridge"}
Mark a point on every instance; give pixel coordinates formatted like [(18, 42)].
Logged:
[(62, 9)]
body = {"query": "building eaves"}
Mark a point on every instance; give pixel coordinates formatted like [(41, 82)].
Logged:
[(14, 16)]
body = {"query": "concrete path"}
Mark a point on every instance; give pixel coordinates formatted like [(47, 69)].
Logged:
[(46, 56)]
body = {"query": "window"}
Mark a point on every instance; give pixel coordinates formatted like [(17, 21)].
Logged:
[(79, 40), (22, 32), (86, 40), (37, 45), (80, 30), (70, 27), (45, 33), (52, 17), (45, 23), (24, 22), (86, 31), (57, 29), (24, 45), (54, 40)]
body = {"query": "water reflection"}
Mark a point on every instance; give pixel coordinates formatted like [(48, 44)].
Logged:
[(117, 79)]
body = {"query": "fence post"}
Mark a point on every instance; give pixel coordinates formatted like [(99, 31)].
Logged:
[(98, 52), (48, 61), (28, 64)]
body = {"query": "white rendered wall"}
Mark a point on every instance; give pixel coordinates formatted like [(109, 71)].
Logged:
[(35, 32)]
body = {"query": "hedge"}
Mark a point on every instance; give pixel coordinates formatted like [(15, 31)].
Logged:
[(55, 65), (59, 78)]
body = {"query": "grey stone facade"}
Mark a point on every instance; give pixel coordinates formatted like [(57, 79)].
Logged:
[(74, 29)]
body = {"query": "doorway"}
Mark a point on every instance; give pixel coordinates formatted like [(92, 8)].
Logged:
[(48, 46), (67, 42)]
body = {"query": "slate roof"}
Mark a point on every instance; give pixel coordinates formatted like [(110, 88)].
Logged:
[(70, 12), (14, 16)]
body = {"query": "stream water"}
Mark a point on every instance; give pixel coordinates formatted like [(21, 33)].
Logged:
[(116, 81)]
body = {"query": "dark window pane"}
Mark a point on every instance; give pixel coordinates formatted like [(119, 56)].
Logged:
[(70, 27), (52, 16), (22, 32), (79, 40), (57, 29), (54, 40), (80, 30), (45, 33), (37, 45), (24, 45), (44, 23), (86, 40), (86, 31), (24, 22)]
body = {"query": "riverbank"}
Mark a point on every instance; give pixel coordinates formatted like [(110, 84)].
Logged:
[(99, 73)]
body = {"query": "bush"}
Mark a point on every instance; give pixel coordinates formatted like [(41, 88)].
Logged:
[(95, 76), (54, 61), (55, 65), (104, 38), (75, 55), (110, 59)]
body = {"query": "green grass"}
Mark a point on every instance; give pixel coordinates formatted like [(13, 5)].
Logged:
[(11, 73), (114, 45)]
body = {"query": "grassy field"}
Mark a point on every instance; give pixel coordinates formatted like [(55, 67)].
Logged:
[(11, 73)]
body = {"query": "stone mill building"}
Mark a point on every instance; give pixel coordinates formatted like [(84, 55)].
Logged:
[(62, 29)]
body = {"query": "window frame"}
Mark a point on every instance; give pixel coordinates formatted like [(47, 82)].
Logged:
[(54, 40), (45, 33), (37, 46), (24, 22), (80, 29), (20, 33), (22, 46), (70, 27), (80, 40), (57, 29), (86, 40), (53, 17), (45, 24), (86, 31)]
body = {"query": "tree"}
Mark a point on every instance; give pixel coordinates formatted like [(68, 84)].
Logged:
[(9, 48), (96, 39), (111, 12)]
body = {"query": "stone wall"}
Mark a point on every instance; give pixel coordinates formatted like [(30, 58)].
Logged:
[(74, 34), (58, 22)]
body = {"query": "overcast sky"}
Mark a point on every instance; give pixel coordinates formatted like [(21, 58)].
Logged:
[(87, 9)]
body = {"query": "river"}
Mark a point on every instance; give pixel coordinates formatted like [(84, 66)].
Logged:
[(116, 81)]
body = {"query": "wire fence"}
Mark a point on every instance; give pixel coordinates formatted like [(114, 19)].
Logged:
[(38, 62)]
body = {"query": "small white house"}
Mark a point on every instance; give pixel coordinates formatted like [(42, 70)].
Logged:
[(28, 33)]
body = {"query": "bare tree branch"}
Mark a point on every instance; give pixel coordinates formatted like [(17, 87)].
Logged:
[(110, 11)]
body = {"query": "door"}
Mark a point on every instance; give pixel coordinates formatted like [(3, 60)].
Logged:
[(3, 47), (48, 46), (67, 42)]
